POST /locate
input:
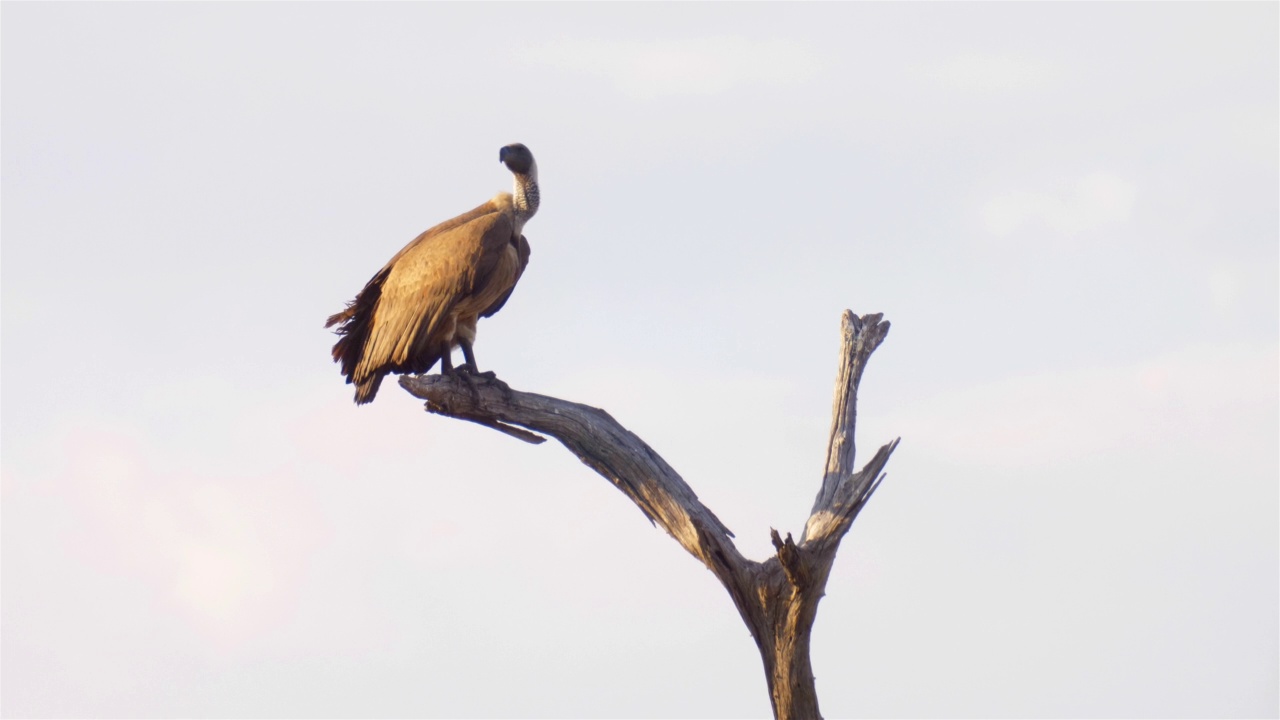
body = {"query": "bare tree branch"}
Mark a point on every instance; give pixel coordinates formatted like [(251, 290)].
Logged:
[(777, 598), (598, 441)]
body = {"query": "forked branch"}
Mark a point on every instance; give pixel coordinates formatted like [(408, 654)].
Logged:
[(777, 598)]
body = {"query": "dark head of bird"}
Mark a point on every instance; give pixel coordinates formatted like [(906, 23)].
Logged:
[(517, 158), (525, 195)]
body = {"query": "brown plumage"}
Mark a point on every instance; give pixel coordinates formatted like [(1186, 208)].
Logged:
[(427, 299)]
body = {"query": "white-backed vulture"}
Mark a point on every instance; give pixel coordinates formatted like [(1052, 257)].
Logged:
[(426, 300)]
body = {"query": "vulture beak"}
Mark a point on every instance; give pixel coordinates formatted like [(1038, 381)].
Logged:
[(502, 155)]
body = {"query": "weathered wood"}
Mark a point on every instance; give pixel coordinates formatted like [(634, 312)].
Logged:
[(777, 598)]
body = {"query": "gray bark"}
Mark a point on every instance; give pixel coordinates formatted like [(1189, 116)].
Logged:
[(777, 598)]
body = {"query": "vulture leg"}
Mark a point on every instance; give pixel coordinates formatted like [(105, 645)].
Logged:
[(469, 371), (468, 355), (465, 371)]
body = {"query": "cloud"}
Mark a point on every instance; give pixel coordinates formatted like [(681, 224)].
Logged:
[(985, 73), (1224, 287), (697, 66), (1077, 207), (1241, 286), (223, 553), (1222, 397)]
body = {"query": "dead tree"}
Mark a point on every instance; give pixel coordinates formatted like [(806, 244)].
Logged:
[(777, 598)]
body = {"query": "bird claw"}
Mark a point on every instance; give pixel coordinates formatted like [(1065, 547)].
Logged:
[(465, 374), (470, 375), (505, 388)]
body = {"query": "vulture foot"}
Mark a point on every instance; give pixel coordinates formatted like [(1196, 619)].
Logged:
[(492, 377), (489, 377), (465, 374)]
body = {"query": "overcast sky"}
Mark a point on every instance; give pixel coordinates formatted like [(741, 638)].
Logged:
[(1068, 211)]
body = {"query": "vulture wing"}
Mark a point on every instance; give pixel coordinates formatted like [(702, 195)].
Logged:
[(522, 255), (403, 319)]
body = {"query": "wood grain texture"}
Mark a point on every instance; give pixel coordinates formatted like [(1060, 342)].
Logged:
[(777, 598)]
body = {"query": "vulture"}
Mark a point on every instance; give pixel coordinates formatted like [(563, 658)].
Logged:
[(426, 300)]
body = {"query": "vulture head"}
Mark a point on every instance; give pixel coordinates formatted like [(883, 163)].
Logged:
[(520, 162), (518, 159)]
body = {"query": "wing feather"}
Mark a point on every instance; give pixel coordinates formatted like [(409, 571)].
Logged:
[(425, 284), (522, 257), (402, 321)]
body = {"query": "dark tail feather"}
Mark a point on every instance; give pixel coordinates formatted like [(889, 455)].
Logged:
[(367, 389), (354, 324), (343, 316)]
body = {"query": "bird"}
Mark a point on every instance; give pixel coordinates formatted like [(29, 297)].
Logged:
[(427, 299)]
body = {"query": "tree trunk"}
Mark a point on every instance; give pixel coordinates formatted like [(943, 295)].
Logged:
[(777, 598)]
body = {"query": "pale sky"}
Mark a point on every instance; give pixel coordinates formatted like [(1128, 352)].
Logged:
[(1069, 212)]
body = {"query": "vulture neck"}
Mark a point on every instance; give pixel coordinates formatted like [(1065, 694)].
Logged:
[(525, 197)]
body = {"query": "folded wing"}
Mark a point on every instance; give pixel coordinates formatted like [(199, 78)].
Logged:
[(405, 318)]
